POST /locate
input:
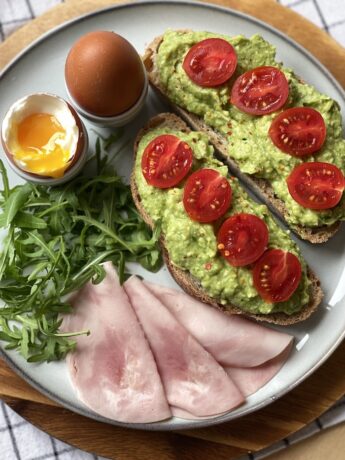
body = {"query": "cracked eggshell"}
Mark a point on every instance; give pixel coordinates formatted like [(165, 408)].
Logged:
[(65, 114)]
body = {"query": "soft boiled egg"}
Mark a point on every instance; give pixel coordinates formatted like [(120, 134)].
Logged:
[(104, 74), (43, 135)]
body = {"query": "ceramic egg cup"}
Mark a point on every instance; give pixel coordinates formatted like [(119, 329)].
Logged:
[(115, 121)]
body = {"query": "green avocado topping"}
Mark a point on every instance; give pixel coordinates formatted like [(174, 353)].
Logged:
[(248, 140), (192, 246)]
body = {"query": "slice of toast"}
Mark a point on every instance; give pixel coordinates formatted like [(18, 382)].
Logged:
[(183, 277), (260, 187)]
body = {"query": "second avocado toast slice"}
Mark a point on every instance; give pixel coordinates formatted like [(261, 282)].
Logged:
[(190, 247)]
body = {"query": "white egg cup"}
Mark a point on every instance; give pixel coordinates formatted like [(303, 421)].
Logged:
[(115, 121), (51, 181)]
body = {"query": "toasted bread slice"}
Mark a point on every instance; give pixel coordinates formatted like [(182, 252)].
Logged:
[(260, 187), (184, 278)]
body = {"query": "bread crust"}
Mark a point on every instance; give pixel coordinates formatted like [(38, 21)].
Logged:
[(260, 187), (183, 277)]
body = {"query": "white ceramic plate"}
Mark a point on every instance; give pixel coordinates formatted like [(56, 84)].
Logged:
[(41, 68)]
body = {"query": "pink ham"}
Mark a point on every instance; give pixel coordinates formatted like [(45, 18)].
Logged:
[(251, 379), (231, 340), (113, 369), (192, 379)]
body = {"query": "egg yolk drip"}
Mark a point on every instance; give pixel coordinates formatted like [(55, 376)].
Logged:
[(38, 148)]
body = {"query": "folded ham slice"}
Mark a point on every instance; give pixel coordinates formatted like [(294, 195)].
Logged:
[(232, 340), (113, 370), (192, 378), (249, 380)]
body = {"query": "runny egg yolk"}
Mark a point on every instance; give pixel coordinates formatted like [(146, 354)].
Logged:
[(38, 140)]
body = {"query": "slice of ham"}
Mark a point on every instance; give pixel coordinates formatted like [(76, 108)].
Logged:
[(192, 378), (113, 370), (232, 340), (249, 380)]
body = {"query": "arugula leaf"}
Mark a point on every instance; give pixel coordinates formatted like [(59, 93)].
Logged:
[(5, 184), (27, 220), (14, 203), (6, 252), (104, 229)]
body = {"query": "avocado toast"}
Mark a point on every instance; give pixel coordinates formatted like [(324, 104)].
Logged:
[(190, 248), (241, 140)]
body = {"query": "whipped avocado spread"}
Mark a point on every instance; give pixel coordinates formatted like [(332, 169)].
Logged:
[(247, 135), (192, 245)]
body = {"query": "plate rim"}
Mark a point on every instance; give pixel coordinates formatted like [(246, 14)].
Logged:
[(164, 425)]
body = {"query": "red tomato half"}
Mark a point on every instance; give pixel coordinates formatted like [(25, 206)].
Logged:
[(207, 195), (242, 239), (166, 161), (298, 131), (210, 62), (260, 91), (316, 185), (276, 275)]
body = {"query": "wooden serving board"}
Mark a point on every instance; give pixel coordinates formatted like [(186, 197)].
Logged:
[(230, 440)]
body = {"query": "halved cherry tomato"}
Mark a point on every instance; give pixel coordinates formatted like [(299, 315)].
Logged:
[(166, 161), (260, 91), (210, 62), (316, 185), (298, 131), (207, 195), (276, 275), (242, 239)]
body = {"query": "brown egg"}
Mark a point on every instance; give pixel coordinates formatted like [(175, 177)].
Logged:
[(104, 73)]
